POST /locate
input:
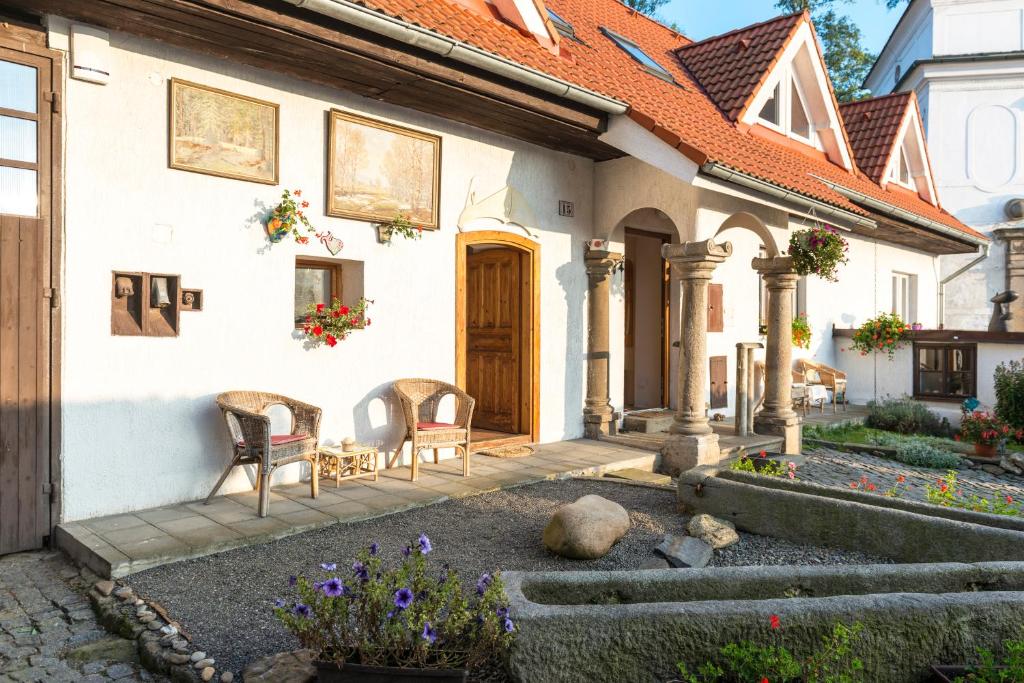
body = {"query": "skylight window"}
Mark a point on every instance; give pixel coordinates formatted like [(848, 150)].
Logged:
[(639, 55), (561, 25)]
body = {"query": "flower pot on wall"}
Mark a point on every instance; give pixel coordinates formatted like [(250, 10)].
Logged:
[(329, 672), (383, 233), (985, 450)]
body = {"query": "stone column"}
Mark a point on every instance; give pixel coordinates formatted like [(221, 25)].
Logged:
[(745, 386), (598, 415), (1014, 243), (778, 417), (692, 441)]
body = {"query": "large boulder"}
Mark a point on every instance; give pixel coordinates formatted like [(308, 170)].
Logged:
[(586, 529), (717, 533)]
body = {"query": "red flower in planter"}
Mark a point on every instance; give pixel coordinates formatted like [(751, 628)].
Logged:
[(317, 331), (774, 622), (331, 340), (319, 308), (343, 310)]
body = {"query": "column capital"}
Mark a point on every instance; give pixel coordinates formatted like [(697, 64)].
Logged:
[(600, 263), (696, 260)]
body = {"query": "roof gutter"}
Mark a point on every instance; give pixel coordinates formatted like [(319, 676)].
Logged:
[(903, 215), (821, 209), (416, 36)]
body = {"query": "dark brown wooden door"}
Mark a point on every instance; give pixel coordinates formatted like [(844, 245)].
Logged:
[(25, 299), (493, 334), (719, 381)]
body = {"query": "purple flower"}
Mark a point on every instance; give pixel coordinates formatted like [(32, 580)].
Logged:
[(406, 551), (317, 585), (391, 614), (303, 611), (403, 598), (278, 602), (374, 548), (333, 588), (425, 546), (328, 566), (362, 573), (429, 633), (483, 582), (508, 625), (502, 612), (292, 580)]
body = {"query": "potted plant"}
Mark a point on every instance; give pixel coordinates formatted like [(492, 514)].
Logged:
[(984, 430), (818, 251), (400, 225), (885, 332), (330, 324), (801, 332), (376, 623), (286, 218)]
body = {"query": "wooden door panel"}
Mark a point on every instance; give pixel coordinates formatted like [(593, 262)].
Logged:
[(493, 357)]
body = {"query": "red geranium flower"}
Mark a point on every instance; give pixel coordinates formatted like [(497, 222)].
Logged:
[(343, 310), (297, 193), (317, 331), (773, 621), (305, 204), (319, 308), (331, 341)]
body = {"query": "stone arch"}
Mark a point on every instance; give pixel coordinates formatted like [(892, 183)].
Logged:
[(646, 218), (748, 221)]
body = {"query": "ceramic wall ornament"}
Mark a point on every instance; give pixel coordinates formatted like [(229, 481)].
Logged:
[(333, 244)]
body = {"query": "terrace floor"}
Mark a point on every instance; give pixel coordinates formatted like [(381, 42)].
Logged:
[(118, 545)]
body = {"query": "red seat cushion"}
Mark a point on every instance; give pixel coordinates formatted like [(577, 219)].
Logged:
[(281, 439), (424, 426)]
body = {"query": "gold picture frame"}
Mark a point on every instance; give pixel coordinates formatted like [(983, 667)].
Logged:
[(368, 159), (221, 133)]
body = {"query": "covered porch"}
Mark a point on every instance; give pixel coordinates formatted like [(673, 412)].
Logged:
[(118, 545)]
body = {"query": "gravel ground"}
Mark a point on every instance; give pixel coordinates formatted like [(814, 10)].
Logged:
[(224, 601)]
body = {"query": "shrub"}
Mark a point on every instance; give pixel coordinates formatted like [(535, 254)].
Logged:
[(991, 670), (833, 662), (1009, 381), (398, 617), (905, 416), (982, 428), (919, 452)]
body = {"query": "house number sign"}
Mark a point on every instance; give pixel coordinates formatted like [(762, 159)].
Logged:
[(567, 209)]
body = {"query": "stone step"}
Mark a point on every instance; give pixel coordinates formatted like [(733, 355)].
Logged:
[(634, 474), (648, 423)]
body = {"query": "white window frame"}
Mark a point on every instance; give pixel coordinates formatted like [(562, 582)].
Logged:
[(786, 83), (894, 174), (904, 296)]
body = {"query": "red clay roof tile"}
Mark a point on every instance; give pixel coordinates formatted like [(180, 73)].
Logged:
[(872, 126), (682, 109)]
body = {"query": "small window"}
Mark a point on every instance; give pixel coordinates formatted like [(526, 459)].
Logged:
[(316, 282), (904, 296), (639, 55), (561, 25), (904, 167), (945, 371), (770, 110), (799, 122)]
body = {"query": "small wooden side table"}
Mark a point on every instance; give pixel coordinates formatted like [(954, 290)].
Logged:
[(341, 464)]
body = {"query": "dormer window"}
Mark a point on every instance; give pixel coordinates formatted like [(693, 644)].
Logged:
[(901, 170), (634, 51), (786, 111)]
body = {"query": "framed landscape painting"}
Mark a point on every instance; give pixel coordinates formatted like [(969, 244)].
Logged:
[(220, 133), (378, 170)]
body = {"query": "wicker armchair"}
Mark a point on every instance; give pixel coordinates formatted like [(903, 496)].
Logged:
[(812, 372), (253, 444), (420, 399)]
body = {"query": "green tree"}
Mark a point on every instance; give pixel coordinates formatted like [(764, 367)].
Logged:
[(648, 7), (841, 42)]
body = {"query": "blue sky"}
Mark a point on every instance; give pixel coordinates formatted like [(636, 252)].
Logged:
[(699, 19)]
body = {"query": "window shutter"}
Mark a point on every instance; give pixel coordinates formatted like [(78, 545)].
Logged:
[(719, 381), (716, 317)]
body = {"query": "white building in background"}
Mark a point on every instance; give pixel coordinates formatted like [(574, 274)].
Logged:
[(965, 61)]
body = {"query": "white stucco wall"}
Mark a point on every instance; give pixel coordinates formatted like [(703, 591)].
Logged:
[(140, 427)]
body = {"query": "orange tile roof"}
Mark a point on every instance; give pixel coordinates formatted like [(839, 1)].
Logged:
[(732, 67), (872, 126), (680, 113)]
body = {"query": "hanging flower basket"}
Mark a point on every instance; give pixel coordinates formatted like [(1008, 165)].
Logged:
[(287, 217), (801, 332), (884, 333), (330, 324), (399, 225), (818, 251)]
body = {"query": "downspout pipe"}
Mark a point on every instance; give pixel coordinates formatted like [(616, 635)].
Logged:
[(954, 275), (417, 36), (821, 209)]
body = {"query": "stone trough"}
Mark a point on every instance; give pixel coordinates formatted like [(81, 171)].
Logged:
[(636, 625), (904, 530)]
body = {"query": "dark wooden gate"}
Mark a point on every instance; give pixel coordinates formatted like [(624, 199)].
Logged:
[(28, 100)]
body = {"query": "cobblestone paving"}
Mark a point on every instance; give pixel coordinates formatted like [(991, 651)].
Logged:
[(834, 468), (48, 630)]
